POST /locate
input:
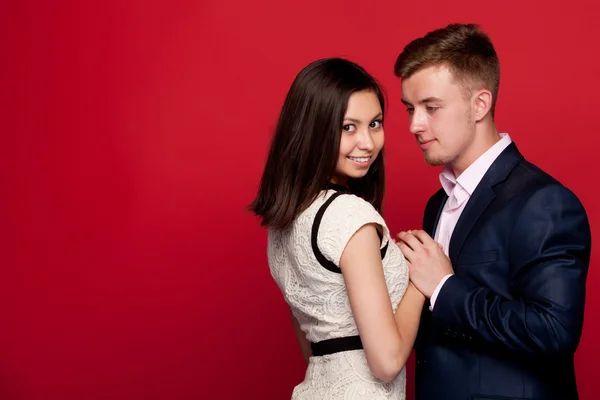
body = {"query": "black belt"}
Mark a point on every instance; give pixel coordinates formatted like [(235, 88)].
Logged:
[(336, 345)]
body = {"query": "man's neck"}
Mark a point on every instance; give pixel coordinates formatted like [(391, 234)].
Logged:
[(485, 137)]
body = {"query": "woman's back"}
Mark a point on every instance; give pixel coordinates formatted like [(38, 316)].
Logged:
[(303, 260)]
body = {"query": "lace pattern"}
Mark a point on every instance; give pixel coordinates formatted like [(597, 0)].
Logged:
[(318, 298)]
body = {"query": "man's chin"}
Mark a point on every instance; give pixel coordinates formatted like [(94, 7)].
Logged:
[(434, 162)]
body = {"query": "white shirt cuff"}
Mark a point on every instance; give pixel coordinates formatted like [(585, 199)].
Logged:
[(437, 291)]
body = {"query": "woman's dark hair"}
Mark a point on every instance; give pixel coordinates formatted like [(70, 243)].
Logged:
[(306, 144)]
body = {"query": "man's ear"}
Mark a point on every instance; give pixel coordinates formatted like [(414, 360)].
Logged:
[(482, 103)]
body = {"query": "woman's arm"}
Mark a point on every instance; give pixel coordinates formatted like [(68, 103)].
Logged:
[(387, 338)]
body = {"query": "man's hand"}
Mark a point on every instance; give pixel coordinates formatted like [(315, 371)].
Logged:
[(427, 263)]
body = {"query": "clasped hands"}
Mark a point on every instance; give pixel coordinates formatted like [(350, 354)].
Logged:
[(427, 263)]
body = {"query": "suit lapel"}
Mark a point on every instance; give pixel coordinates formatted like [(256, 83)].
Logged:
[(482, 197), (433, 212)]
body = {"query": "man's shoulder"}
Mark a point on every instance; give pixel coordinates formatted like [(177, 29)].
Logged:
[(535, 183), (528, 170), (535, 178)]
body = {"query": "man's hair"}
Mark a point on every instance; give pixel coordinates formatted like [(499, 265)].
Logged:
[(467, 52)]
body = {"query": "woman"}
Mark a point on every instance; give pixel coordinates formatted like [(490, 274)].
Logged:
[(346, 282)]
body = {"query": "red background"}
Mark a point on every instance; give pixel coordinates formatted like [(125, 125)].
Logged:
[(133, 134)]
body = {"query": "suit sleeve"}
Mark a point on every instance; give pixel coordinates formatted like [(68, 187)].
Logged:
[(549, 255)]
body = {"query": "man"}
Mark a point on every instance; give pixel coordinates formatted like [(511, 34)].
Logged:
[(506, 278)]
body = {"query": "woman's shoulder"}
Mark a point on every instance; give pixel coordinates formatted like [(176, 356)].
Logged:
[(347, 205)]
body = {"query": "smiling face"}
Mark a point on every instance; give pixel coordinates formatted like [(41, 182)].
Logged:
[(361, 138)]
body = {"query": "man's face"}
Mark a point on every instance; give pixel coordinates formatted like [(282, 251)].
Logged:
[(440, 115)]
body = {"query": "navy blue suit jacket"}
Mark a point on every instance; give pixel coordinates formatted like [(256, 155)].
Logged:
[(507, 324)]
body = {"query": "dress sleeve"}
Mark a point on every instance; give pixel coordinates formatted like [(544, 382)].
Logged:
[(342, 218)]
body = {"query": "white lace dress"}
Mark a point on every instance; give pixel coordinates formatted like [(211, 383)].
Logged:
[(318, 298)]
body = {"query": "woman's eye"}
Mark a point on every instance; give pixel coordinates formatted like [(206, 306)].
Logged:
[(375, 124), (349, 128)]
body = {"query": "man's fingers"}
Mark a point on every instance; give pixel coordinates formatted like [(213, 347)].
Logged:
[(423, 237), (410, 240), (406, 251), (426, 239)]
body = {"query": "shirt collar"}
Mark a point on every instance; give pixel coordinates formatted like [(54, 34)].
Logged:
[(471, 176)]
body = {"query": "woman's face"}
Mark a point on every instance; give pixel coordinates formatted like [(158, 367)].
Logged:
[(362, 136)]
